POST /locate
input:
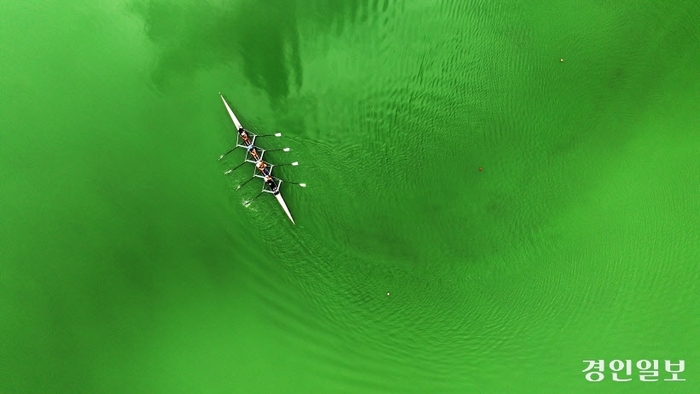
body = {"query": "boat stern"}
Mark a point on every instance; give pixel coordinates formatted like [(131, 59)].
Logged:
[(280, 200)]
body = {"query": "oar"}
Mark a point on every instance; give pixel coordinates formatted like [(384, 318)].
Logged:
[(234, 168), (296, 163), (296, 183), (277, 150), (243, 184), (270, 135), (222, 156), (251, 201)]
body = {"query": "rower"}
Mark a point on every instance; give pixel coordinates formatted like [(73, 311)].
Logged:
[(262, 167), (254, 152), (244, 136), (271, 183)]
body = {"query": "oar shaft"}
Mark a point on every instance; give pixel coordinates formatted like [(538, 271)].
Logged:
[(234, 168), (300, 184), (244, 183), (296, 163), (254, 198), (231, 150)]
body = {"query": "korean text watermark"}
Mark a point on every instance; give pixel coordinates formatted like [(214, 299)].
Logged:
[(646, 370)]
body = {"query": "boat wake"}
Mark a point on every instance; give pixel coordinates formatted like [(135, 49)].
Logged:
[(248, 204)]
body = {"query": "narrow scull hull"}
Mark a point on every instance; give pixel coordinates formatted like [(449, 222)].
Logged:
[(230, 112), (277, 194)]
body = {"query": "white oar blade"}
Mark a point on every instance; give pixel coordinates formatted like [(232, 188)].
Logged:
[(296, 163), (286, 149), (278, 134), (302, 184)]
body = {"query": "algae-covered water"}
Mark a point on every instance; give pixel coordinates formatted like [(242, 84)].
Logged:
[(497, 191)]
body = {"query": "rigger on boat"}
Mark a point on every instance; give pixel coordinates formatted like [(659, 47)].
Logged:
[(254, 154)]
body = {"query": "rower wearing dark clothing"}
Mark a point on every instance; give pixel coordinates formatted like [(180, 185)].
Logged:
[(271, 183)]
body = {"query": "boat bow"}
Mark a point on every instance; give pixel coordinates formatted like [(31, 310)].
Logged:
[(230, 112)]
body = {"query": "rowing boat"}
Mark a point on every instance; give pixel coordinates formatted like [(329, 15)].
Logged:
[(270, 184)]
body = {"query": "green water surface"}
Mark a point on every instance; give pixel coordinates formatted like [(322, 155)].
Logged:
[(497, 191)]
